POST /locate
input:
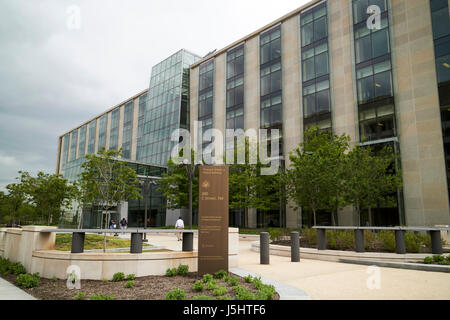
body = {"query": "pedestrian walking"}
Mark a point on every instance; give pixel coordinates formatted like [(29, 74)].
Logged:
[(179, 225)]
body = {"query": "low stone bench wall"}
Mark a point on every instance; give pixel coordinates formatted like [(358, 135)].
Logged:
[(35, 250)]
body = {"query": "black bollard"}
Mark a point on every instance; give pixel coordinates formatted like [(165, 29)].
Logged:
[(188, 241), (264, 248), (359, 240), (436, 242), (295, 247), (136, 243), (400, 246), (78, 242), (321, 239)]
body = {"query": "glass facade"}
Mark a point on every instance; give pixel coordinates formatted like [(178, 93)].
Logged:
[(271, 101), (235, 88), (441, 36), (315, 67), (73, 145), (102, 132), (206, 96), (82, 142), (374, 73), (166, 108), (127, 130), (91, 139), (114, 130)]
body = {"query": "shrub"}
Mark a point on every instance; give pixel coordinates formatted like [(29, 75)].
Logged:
[(428, 260), (28, 280), (176, 294), (233, 281), (211, 285), (275, 234), (183, 270), (119, 276), (54, 279), (4, 266), (103, 297), (413, 242), (221, 274), (310, 236), (198, 286), (438, 258), (266, 292), (387, 240), (17, 268), (129, 284), (130, 277), (220, 291), (80, 296), (370, 240), (340, 240), (248, 279), (203, 298), (257, 283), (243, 293), (207, 278), (171, 272)]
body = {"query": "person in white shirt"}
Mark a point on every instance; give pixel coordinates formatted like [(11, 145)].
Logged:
[(179, 225)]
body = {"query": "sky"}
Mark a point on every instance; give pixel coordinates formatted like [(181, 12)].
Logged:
[(62, 62)]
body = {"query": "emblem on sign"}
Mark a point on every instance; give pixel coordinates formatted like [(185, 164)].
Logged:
[(206, 184)]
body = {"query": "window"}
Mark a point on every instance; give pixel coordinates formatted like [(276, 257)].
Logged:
[(370, 44), (377, 123), (374, 82), (270, 45), (314, 25), (315, 68), (360, 9)]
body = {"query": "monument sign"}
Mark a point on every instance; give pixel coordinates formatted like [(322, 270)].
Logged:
[(213, 219)]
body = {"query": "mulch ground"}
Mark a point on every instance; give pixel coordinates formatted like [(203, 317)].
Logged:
[(145, 288)]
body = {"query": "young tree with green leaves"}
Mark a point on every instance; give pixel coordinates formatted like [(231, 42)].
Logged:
[(316, 174), (49, 193), (371, 178), (107, 181)]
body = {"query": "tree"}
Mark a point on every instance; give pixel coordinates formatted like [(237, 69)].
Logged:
[(13, 201), (370, 178), (48, 192), (107, 181), (174, 185), (316, 175)]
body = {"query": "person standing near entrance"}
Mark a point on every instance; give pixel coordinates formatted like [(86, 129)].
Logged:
[(179, 225), (123, 224)]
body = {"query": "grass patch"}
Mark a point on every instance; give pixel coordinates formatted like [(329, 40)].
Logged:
[(91, 242)]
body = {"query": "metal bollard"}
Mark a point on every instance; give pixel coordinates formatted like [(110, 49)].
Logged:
[(78, 242), (188, 241), (321, 239), (436, 242), (264, 248), (136, 243), (359, 240), (400, 246), (295, 247)]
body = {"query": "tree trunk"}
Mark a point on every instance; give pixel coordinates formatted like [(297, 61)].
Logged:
[(333, 222), (314, 216), (104, 237), (358, 210), (370, 217)]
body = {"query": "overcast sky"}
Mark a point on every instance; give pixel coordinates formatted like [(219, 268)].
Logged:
[(54, 76)]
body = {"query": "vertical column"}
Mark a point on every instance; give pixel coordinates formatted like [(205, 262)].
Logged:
[(418, 114), (219, 113), (292, 115), (193, 100), (251, 84), (264, 248), (120, 133), (134, 132)]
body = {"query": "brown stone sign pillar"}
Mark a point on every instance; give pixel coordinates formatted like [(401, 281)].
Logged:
[(213, 219)]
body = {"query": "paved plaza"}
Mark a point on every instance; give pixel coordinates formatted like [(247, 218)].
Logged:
[(320, 280)]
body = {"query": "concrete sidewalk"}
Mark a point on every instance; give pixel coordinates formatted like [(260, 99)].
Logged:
[(9, 291)]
